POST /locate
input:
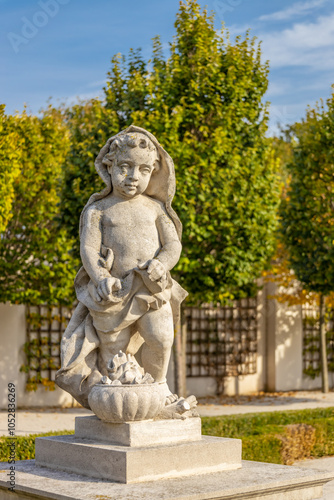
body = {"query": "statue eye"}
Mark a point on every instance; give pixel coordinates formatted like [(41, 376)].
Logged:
[(145, 170), (123, 167)]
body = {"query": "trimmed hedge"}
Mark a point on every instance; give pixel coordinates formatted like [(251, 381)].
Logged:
[(278, 437), (24, 445)]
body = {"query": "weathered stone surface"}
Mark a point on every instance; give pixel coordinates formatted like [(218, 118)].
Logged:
[(130, 240), (123, 403), (137, 464), (141, 433), (252, 482)]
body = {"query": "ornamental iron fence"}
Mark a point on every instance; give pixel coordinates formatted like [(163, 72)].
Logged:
[(45, 327), (311, 340), (222, 341)]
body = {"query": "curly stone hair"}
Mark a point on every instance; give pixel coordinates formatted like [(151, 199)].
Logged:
[(132, 140)]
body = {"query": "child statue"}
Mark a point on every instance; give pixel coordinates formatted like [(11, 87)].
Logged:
[(129, 240)]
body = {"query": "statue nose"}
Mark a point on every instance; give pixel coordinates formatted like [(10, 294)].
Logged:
[(134, 173)]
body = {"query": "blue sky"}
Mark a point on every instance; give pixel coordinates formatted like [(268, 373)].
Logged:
[(62, 48)]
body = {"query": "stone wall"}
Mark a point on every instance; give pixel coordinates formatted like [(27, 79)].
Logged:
[(285, 343), (12, 339)]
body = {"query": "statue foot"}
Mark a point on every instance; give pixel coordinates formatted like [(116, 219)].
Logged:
[(180, 408), (171, 398)]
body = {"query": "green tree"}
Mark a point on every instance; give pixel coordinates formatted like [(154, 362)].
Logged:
[(35, 266), (9, 166), (90, 125), (307, 211), (204, 103)]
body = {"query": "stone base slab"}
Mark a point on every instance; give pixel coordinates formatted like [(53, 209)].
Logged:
[(252, 482), (137, 464), (141, 433)]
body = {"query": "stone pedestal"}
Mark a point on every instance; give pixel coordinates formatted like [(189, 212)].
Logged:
[(165, 460), (140, 433), (138, 451)]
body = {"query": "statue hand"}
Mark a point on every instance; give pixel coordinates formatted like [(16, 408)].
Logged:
[(155, 269), (107, 286)]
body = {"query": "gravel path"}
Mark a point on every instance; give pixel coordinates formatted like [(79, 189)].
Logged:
[(30, 421)]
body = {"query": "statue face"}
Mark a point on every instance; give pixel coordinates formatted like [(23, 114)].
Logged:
[(131, 171)]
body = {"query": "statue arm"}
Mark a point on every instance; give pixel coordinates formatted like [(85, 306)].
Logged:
[(171, 246), (90, 246)]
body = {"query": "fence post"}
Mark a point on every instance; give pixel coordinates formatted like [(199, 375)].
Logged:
[(323, 346), (180, 356)]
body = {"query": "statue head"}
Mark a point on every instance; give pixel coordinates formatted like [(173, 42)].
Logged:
[(161, 184), (131, 160)]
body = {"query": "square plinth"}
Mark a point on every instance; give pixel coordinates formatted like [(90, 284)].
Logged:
[(126, 464), (141, 433)]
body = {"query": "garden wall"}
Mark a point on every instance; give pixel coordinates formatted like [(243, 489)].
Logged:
[(12, 339)]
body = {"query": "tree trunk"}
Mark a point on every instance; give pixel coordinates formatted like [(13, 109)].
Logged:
[(180, 357), (323, 345)]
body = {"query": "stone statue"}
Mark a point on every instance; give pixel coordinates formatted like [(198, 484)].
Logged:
[(128, 302)]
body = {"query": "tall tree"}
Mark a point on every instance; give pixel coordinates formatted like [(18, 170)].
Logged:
[(307, 212), (9, 166), (35, 265), (90, 124), (205, 104)]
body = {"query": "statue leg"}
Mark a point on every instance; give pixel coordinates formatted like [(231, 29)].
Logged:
[(156, 328), (111, 344)]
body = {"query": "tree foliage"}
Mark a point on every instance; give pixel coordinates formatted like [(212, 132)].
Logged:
[(90, 125), (204, 104), (35, 266), (308, 210), (307, 214), (9, 166)]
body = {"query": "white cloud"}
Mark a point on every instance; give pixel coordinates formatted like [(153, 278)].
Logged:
[(238, 29), (283, 115), (297, 9), (309, 44), (277, 88), (75, 99), (319, 86), (305, 44), (301, 52), (99, 84)]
